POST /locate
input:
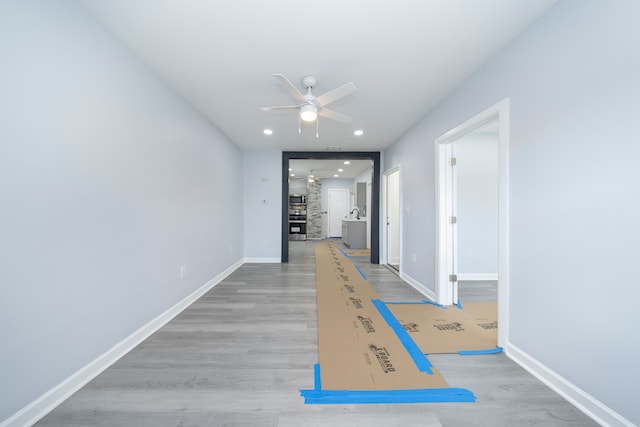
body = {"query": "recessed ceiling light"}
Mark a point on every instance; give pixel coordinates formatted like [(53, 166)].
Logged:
[(347, 162), (293, 174), (358, 132), (267, 131), (290, 169), (340, 170), (336, 175)]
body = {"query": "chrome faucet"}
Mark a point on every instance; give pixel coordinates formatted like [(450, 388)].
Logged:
[(357, 210)]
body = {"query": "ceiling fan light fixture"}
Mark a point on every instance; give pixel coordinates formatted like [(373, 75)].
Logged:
[(308, 113)]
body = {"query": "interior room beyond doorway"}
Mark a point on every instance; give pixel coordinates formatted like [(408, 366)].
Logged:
[(331, 195)]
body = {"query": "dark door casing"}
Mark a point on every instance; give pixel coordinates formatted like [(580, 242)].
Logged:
[(332, 155)]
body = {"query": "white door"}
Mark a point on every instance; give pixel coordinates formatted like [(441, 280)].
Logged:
[(338, 210), (392, 211)]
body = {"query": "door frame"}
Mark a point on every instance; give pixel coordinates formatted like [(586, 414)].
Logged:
[(374, 156), (385, 198), (444, 261)]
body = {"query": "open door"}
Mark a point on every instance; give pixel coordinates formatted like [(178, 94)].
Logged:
[(447, 277), (451, 166)]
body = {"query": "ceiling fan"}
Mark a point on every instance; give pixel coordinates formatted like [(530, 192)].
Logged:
[(311, 106)]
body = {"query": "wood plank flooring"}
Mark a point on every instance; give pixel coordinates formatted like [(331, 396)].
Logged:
[(239, 355)]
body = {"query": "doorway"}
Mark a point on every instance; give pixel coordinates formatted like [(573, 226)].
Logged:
[(338, 209), (374, 224), (447, 256), (392, 219)]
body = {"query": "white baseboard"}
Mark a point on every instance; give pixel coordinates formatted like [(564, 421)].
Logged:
[(588, 404), (44, 404), (418, 286), (258, 260), (477, 276)]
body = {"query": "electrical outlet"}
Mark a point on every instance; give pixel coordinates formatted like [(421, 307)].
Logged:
[(470, 253), (413, 258), (183, 271)]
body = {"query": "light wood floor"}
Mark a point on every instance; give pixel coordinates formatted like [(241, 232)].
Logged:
[(239, 355)]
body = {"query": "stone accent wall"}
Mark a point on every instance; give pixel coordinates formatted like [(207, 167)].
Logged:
[(314, 207)]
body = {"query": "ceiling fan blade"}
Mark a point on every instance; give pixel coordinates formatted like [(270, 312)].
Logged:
[(289, 87), (283, 107), (335, 94), (330, 114)]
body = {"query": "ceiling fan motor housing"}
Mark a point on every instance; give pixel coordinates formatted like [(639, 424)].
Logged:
[(308, 82)]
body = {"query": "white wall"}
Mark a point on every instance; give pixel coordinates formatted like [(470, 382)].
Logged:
[(572, 80), (109, 183), (477, 191), (262, 221)]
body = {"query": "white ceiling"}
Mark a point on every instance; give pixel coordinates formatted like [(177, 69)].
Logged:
[(328, 168), (403, 55)]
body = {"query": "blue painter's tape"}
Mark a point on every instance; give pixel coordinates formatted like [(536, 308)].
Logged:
[(459, 305), (316, 377), (360, 271), (479, 352), (424, 301), (412, 348), (344, 253), (425, 395), (400, 303)]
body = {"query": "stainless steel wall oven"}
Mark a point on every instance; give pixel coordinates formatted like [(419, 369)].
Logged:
[(297, 218)]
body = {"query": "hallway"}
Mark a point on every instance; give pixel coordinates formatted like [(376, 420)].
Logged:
[(239, 355)]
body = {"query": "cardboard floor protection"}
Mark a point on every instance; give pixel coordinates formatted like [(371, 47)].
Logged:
[(359, 353), (357, 252), (436, 329)]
